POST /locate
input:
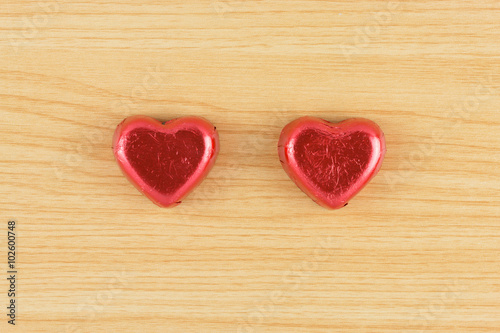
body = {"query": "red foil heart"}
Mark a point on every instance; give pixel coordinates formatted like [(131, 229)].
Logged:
[(165, 161), (331, 162)]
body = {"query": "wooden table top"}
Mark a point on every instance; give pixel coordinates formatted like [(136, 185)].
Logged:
[(416, 251)]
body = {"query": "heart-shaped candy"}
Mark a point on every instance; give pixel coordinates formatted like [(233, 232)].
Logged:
[(331, 162), (165, 161)]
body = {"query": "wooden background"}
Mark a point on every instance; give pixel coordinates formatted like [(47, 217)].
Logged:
[(417, 250)]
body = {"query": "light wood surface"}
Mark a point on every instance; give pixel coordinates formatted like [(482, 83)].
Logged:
[(416, 251)]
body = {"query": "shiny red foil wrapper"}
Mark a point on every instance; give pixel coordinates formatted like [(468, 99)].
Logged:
[(331, 162), (165, 161)]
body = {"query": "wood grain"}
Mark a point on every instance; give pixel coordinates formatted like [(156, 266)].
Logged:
[(417, 250)]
